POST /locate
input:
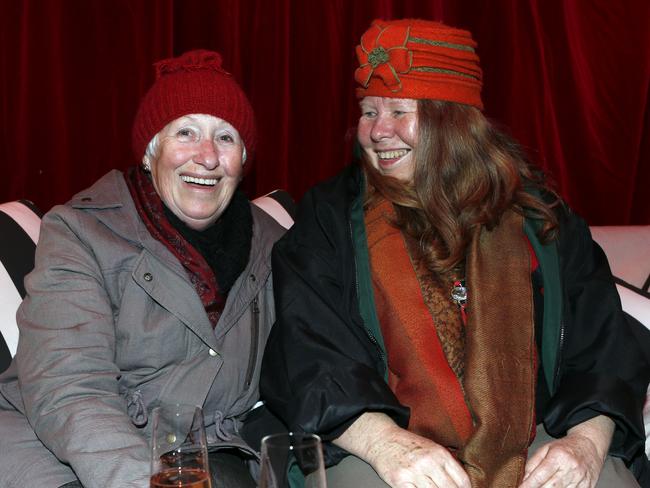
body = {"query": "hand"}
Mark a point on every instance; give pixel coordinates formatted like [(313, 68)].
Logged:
[(402, 459), (405, 459), (573, 461)]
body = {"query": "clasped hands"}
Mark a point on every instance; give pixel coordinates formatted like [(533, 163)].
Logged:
[(406, 460)]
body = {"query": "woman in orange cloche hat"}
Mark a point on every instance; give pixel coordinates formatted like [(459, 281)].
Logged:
[(439, 307)]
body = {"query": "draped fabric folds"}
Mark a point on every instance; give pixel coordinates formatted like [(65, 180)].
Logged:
[(569, 78)]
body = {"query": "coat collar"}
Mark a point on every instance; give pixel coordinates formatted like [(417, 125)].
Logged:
[(110, 202)]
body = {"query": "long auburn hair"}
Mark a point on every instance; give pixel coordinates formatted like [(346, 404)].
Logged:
[(467, 174)]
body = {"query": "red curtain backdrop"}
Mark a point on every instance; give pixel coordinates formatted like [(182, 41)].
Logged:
[(569, 78)]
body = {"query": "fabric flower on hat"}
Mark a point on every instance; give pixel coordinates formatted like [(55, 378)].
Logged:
[(383, 53)]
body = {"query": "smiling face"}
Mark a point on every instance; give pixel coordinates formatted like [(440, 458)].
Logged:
[(198, 168), (388, 132)]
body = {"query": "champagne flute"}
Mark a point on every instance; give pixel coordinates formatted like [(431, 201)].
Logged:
[(179, 453), (292, 456)]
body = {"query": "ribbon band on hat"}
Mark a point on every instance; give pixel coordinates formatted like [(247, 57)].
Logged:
[(450, 45)]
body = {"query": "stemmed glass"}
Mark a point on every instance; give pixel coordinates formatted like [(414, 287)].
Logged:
[(179, 454), (292, 456)]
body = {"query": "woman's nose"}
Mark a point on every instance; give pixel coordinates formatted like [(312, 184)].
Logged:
[(207, 154), (382, 128)]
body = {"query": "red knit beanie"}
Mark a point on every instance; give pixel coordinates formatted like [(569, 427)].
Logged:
[(412, 58), (193, 83)]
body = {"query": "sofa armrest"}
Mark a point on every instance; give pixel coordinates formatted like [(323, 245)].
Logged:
[(19, 227)]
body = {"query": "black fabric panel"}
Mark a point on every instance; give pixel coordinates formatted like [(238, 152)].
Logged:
[(625, 284), (32, 206), (229, 469), (5, 356), (646, 285), (16, 251), (284, 199), (258, 423)]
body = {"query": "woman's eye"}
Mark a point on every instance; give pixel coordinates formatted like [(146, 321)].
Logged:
[(369, 114), (226, 138), (398, 113), (185, 134)]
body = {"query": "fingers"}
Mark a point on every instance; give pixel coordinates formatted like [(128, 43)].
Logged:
[(532, 466), (440, 480), (408, 460), (427, 472), (562, 462), (448, 472), (535, 460), (542, 474), (458, 475)]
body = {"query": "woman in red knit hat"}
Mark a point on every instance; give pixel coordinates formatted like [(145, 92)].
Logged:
[(150, 286), (439, 302)]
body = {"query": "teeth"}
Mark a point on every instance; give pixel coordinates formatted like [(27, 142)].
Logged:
[(392, 154), (199, 181)]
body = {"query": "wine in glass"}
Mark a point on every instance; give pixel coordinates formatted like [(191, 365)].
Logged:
[(179, 454)]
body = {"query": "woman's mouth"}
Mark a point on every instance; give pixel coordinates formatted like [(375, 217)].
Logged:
[(388, 158), (200, 181)]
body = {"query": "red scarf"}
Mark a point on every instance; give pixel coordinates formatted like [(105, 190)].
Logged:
[(150, 209)]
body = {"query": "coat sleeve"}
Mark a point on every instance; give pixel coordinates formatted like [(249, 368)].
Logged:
[(66, 366), (602, 366), (321, 369)]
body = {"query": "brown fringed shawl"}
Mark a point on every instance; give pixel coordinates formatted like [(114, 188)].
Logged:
[(487, 421)]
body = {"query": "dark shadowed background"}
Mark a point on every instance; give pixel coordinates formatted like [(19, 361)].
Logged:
[(570, 78)]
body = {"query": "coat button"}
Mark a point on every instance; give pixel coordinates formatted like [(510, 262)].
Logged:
[(212, 352), (147, 277)]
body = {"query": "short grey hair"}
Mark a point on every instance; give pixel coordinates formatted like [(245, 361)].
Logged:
[(152, 151)]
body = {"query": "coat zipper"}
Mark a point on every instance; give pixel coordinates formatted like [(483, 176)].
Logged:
[(560, 346), (255, 332), (558, 361)]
